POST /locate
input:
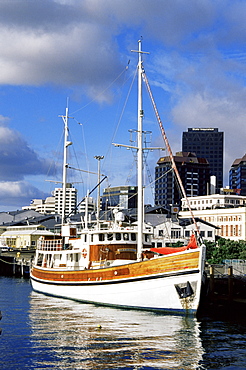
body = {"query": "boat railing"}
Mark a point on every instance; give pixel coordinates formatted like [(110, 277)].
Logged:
[(50, 245)]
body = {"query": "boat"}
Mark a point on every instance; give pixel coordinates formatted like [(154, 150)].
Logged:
[(112, 263)]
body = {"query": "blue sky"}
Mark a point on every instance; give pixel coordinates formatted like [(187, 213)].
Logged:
[(54, 50)]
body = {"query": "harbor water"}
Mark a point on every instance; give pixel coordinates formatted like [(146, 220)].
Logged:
[(40, 332)]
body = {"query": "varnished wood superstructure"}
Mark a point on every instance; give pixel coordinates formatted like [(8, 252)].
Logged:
[(168, 265)]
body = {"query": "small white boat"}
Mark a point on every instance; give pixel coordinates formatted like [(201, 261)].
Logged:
[(113, 263)]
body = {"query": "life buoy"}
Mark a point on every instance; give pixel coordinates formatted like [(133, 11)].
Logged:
[(84, 253)]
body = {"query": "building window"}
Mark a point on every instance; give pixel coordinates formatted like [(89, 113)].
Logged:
[(210, 234), (175, 233)]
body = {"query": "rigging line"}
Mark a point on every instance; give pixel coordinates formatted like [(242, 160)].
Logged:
[(122, 112), (121, 115), (77, 206), (169, 150), (164, 174), (90, 102), (78, 169), (124, 106), (85, 149), (76, 158), (55, 163), (119, 204)]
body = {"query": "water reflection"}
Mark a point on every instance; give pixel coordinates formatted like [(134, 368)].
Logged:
[(72, 335)]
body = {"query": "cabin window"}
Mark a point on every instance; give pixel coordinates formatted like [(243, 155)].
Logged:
[(101, 237), (210, 234), (159, 245), (153, 245), (110, 236), (126, 236), (133, 237), (187, 233), (146, 238), (202, 234), (118, 236), (76, 257), (85, 238), (160, 232), (91, 237)]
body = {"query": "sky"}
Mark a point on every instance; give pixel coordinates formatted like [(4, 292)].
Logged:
[(77, 54)]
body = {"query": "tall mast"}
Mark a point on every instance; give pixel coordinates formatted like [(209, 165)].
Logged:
[(139, 148), (140, 154), (64, 175), (140, 151)]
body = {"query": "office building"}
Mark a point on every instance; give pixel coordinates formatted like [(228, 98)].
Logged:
[(237, 176), (194, 173), (120, 196), (207, 143), (71, 200)]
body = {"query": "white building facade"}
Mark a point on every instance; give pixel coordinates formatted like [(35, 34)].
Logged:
[(227, 212), (71, 200)]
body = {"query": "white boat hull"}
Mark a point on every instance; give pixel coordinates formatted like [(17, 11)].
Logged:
[(156, 292)]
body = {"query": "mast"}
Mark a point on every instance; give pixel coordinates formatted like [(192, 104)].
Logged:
[(140, 155), (65, 165), (140, 151)]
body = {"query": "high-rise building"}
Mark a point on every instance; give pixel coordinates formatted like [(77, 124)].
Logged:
[(54, 204), (237, 176), (121, 196), (193, 171), (207, 143), (71, 200)]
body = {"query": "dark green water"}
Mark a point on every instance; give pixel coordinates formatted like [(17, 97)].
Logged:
[(40, 332)]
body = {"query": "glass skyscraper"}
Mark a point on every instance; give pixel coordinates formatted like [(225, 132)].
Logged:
[(207, 143)]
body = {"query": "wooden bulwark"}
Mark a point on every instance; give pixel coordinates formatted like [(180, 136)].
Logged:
[(163, 265)]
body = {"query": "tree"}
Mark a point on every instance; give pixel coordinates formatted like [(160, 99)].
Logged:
[(225, 249)]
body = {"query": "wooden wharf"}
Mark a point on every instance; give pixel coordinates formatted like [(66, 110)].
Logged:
[(16, 263)]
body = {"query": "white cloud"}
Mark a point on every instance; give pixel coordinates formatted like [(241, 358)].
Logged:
[(18, 193)]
